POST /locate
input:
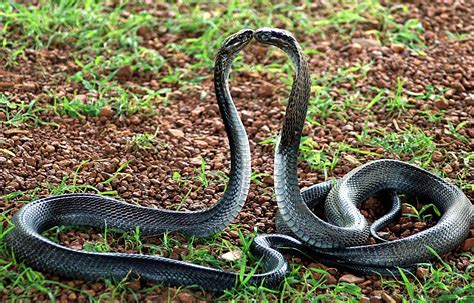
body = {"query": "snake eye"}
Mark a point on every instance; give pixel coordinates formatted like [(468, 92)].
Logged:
[(266, 37), (263, 36)]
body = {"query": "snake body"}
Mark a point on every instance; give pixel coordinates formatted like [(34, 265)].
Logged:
[(340, 241), (97, 211)]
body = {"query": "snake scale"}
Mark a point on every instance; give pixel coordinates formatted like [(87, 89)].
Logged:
[(341, 240)]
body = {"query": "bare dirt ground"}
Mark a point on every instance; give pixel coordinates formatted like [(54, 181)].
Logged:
[(187, 126)]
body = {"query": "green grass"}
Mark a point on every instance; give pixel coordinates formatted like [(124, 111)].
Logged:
[(455, 131), (372, 12), (317, 158), (106, 38), (425, 214), (457, 36), (21, 113), (99, 40), (463, 180), (301, 283), (88, 26), (103, 41), (398, 101), (412, 142), (107, 93), (69, 183), (120, 101), (435, 283), (325, 87), (145, 141)]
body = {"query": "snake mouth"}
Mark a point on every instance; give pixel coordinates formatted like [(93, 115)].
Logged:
[(238, 41)]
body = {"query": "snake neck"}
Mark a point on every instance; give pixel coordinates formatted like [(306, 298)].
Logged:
[(236, 192), (298, 101), (224, 100), (287, 191), (233, 125)]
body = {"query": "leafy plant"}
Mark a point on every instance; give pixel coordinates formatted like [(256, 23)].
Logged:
[(425, 214), (144, 141), (22, 113)]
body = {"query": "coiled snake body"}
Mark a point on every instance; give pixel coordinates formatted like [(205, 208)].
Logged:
[(340, 241)]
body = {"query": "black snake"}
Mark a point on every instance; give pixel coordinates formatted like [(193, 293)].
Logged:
[(340, 241)]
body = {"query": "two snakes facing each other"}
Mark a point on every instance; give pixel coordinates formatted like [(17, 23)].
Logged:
[(341, 240)]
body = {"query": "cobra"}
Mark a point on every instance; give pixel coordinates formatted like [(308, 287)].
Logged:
[(339, 241), (97, 211), (342, 240)]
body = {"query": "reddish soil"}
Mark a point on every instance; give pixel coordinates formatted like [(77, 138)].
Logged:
[(190, 127)]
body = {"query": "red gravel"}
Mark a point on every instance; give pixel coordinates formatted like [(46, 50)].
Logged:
[(189, 127)]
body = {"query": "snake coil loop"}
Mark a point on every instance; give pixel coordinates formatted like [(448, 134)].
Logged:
[(341, 241)]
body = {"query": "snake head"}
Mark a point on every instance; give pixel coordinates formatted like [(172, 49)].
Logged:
[(275, 36), (236, 42)]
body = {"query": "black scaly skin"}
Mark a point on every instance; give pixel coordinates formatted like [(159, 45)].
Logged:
[(332, 242), (97, 211), (342, 240)]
